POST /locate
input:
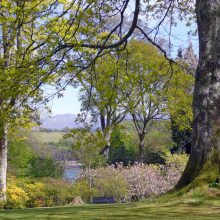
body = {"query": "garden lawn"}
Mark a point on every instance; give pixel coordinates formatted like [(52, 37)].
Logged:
[(140, 210)]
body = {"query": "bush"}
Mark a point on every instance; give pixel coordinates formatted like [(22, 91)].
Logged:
[(45, 167), (177, 160), (123, 149), (36, 194), (58, 192), (154, 158), (82, 188), (19, 155), (132, 182), (157, 142), (28, 192), (16, 196), (109, 182), (24, 160)]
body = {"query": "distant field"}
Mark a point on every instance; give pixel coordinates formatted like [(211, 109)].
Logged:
[(118, 212), (46, 137)]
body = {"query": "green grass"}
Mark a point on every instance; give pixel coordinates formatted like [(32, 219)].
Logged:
[(47, 137), (163, 209)]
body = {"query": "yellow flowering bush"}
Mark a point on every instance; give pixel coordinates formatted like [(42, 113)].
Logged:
[(29, 192), (36, 194), (16, 196)]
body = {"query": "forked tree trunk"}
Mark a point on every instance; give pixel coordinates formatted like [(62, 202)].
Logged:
[(206, 103), (3, 162)]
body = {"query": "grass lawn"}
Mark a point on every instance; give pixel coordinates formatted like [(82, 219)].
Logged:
[(140, 210)]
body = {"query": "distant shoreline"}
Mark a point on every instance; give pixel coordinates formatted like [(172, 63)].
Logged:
[(72, 164)]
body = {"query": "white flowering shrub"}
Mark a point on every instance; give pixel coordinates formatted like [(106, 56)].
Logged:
[(132, 182)]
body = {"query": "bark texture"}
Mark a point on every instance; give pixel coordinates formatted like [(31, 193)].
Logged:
[(206, 100), (3, 162)]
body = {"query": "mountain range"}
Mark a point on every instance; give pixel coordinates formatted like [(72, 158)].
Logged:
[(59, 122)]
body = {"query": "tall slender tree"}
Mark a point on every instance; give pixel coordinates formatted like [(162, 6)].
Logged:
[(154, 90), (101, 89), (22, 67)]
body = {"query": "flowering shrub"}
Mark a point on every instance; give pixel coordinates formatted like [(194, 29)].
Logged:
[(16, 196), (132, 182), (26, 192), (36, 194)]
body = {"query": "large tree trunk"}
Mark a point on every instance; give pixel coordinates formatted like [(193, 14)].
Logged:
[(3, 162), (206, 103)]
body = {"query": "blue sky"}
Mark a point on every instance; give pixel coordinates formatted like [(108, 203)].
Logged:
[(68, 104)]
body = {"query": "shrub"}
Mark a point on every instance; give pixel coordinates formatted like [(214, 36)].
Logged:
[(29, 192), (154, 158), (109, 182), (132, 182), (45, 167), (58, 192), (82, 188), (177, 160), (19, 155), (16, 196), (36, 194), (123, 149)]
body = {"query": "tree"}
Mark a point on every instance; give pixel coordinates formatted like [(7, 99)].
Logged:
[(147, 73), (154, 90), (32, 52), (133, 81), (86, 146), (182, 131), (181, 138), (20, 76), (205, 152), (205, 139), (101, 89), (28, 59)]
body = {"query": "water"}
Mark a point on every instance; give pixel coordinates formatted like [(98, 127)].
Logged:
[(71, 174)]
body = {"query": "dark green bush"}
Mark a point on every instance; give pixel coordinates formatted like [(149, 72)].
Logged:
[(19, 156), (123, 149), (45, 167)]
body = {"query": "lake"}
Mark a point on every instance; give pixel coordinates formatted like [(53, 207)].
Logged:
[(72, 170)]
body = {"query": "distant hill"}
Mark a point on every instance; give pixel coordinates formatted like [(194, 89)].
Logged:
[(58, 122)]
